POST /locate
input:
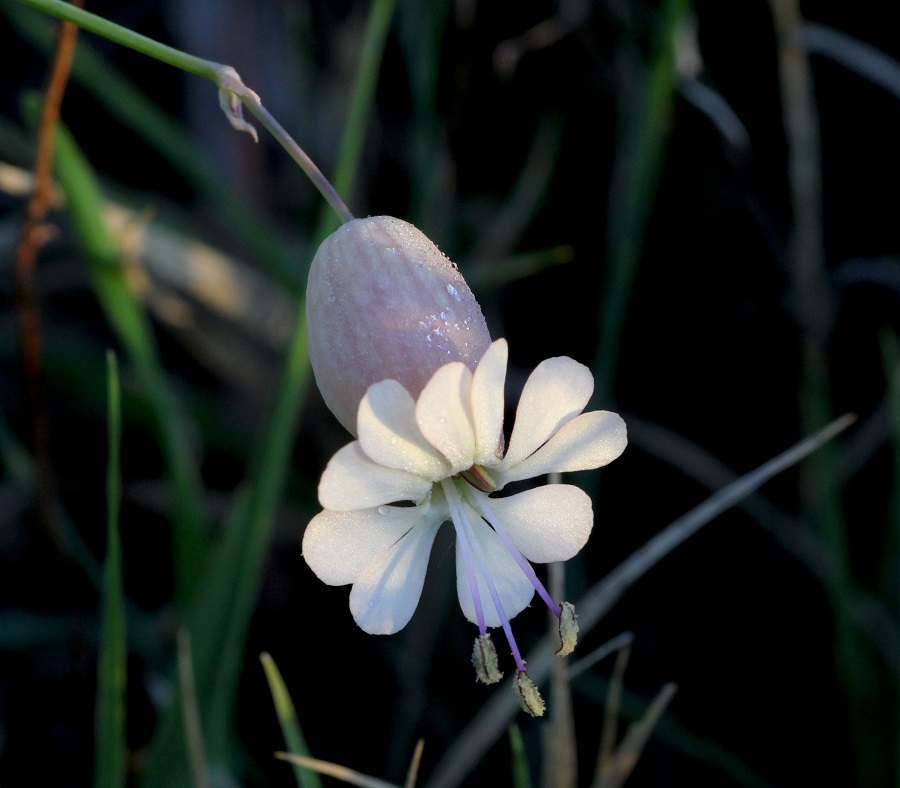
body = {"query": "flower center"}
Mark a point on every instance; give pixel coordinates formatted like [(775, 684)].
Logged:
[(479, 478)]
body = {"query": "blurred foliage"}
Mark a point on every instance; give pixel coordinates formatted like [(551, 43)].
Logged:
[(617, 181)]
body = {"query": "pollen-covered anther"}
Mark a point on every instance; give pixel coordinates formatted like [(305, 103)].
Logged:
[(479, 478), (568, 629), (529, 697), (484, 658)]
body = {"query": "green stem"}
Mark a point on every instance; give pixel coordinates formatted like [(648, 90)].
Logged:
[(225, 77), (125, 37)]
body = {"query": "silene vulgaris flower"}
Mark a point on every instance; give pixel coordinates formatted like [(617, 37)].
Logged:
[(443, 452)]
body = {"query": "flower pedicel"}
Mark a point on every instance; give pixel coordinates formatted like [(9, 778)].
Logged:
[(402, 355)]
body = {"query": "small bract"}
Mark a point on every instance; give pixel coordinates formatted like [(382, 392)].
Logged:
[(384, 303)]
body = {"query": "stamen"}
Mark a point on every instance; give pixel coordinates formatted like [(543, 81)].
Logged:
[(481, 502), (479, 478), (484, 658), (529, 698), (482, 565), (453, 501), (568, 630)]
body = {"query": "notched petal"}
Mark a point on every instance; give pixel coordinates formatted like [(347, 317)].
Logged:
[(555, 393), (352, 481), (385, 596), (588, 441), (444, 414), (550, 523), (338, 546), (487, 403), (389, 435)]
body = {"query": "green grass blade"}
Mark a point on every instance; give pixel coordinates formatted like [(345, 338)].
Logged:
[(126, 315), (110, 743), (420, 31), (642, 143), (287, 718), (521, 776)]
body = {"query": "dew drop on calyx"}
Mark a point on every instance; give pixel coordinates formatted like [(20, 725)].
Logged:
[(452, 290)]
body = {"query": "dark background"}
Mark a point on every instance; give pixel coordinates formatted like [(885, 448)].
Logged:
[(710, 350)]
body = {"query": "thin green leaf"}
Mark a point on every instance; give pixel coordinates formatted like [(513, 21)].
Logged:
[(287, 718), (190, 714), (110, 742), (521, 775), (125, 314), (642, 137)]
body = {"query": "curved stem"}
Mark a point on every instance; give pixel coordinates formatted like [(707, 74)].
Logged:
[(225, 77), (122, 35), (251, 101)]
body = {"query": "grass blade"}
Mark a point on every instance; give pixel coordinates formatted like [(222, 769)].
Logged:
[(110, 742), (342, 773), (642, 143), (287, 718), (521, 776), (126, 316), (189, 713), (635, 740)]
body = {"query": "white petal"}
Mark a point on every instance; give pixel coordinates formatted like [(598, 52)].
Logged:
[(549, 523), (385, 596), (338, 546), (514, 589), (443, 413), (587, 441), (556, 392), (487, 403), (389, 435), (352, 481)]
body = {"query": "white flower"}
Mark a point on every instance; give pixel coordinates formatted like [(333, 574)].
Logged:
[(444, 453)]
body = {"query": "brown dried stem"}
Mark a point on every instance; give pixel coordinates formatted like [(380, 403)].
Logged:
[(32, 236)]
